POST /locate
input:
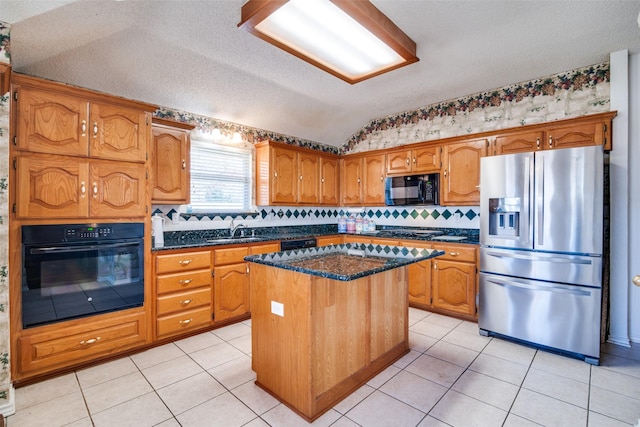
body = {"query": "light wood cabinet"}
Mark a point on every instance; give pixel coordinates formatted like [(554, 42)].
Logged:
[(362, 180), (446, 284), (329, 240), (417, 160), (53, 347), (183, 286), (62, 187), (231, 279), (57, 119), (518, 142), (453, 280), (329, 181), (461, 172), (577, 135), (292, 176), (170, 165)]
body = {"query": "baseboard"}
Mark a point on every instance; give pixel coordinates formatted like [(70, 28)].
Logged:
[(8, 407), (619, 341)]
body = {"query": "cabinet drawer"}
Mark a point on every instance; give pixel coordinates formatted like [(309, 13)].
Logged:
[(67, 346), (461, 253), (264, 249), (183, 261), (183, 281), (329, 240), (229, 255), (184, 300), (184, 321)]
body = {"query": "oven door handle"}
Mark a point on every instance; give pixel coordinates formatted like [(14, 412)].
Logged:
[(62, 250)]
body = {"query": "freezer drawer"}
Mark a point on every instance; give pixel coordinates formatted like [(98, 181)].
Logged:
[(562, 317), (552, 267)]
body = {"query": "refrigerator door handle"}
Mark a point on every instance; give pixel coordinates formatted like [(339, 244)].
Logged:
[(526, 193), (556, 259), (531, 287), (540, 199)]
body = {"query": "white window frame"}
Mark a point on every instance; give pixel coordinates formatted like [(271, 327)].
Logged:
[(198, 147)]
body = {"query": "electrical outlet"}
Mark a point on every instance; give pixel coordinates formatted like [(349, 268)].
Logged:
[(277, 308)]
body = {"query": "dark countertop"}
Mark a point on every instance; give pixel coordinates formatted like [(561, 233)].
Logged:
[(210, 238), (345, 262)]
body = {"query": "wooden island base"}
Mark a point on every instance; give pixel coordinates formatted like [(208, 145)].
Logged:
[(315, 340)]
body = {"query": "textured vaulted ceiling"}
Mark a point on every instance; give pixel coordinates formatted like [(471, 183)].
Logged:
[(191, 56)]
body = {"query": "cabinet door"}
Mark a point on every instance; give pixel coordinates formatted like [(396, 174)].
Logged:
[(231, 291), (399, 162), (519, 142), (419, 277), (51, 187), (329, 181), (426, 159), (309, 174), (373, 183), (579, 135), (284, 173), (117, 189), (118, 133), (461, 174), (454, 286), (52, 123), (351, 181), (170, 165)]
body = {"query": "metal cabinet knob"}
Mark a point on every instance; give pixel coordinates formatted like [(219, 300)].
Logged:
[(636, 280)]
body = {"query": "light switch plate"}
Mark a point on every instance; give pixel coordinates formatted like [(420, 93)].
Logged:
[(277, 308)]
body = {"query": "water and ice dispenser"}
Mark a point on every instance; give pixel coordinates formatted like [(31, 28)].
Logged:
[(504, 216)]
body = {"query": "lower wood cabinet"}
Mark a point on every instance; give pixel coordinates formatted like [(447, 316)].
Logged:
[(53, 347), (446, 284), (231, 280), (183, 286)]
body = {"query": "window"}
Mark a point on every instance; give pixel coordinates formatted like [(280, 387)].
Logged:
[(220, 178)]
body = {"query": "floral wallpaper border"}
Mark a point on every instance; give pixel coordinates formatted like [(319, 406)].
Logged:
[(551, 86), (251, 135)]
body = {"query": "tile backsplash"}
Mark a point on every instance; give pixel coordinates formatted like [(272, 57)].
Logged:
[(285, 216)]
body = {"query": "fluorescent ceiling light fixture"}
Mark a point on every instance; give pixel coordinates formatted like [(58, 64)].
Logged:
[(350, 39)]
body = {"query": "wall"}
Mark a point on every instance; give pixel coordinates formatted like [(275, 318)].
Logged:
[(6, 390)]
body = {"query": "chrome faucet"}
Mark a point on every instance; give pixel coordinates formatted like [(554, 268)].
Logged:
[(233, 228)]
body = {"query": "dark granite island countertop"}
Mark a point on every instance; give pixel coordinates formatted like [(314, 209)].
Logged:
[(347, 261)]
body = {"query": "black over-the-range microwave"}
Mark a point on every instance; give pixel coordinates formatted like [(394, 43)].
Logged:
[(412, 190)]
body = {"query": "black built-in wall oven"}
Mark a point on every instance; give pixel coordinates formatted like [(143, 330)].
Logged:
[(76, 270)]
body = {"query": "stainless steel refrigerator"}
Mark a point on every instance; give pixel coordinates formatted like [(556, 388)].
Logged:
[(541, 249)]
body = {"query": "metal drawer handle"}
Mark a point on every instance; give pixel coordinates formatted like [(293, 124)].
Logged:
[(95, 190), (185, 261), (83, 189), (95, 129), (90, 341), (185, 322), (454, 253), (185, 281), (83, 127), (186, 301)]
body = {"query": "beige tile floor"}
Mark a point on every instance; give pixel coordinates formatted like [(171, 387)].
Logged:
[(452, 377)]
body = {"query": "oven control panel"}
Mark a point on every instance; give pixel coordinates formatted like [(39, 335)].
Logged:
[(87, 233)]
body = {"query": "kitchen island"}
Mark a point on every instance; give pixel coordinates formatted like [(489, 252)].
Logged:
[(326, 320)]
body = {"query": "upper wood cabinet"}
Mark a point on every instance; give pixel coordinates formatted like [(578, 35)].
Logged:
[(170, 171), (362, 179), (58, 119), (518, 142), (461, 172), (288, 175), (416, 160), (583, 131), (329, 181), (59, 187)]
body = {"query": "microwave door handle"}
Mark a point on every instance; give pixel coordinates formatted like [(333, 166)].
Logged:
[(63, 250), (421, 191)]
